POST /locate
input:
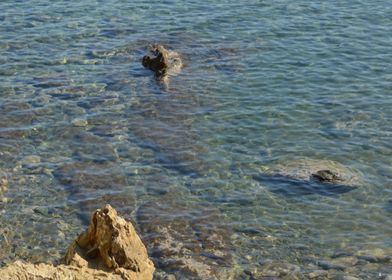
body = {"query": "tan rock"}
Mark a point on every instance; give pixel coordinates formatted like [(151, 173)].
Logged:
[(3, 188), (113, 243), (3, 184), (109, 249), (28, 271)]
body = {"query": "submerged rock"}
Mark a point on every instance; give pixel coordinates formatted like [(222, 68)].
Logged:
[(293, 187), (109, 249), (308, 169), (278, 270), (3, 184), (376, 255), (187, 238), (3, 187), (163, 63), (326, 176), (307, 176)]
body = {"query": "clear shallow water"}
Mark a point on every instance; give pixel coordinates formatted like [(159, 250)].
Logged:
[(82, 124)]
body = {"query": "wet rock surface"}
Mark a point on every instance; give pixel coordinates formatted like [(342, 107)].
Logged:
[(326, 176), (163, 62), (109, 249)]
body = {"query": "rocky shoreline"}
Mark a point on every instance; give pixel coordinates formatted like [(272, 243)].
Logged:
[(109, 249)]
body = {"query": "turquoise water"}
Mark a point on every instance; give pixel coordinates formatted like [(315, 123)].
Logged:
[(265, 85)]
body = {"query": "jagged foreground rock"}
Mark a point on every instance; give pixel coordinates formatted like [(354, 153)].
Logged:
[(109, 249)]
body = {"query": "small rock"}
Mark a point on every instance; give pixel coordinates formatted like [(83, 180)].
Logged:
[(32, 159), (348, 277), (280, 269), (3, 184), (345, 261), (163, 62), (47, 172), (375, 255), (80, 122), (61, 235), (317, 273), (328, 265), (341, 255), (326, 175), (248, 257)]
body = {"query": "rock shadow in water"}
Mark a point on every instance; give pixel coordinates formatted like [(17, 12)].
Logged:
[(296, 187)]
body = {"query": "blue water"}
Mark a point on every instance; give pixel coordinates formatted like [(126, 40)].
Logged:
[(265, 85)]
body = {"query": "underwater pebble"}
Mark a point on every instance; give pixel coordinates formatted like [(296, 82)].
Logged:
[(328, 265), (32, 159), (47, 172), (375, 255), (3, 184), (80, 122), (348, 277), (63, 226), (317, 273), (61, 235), (59, 159), (345, 261), (277, 269)]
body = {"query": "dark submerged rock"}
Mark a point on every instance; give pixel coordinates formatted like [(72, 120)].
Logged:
[(162, 62), (326, 176), (158, 64), (308, 176), (187, 238)]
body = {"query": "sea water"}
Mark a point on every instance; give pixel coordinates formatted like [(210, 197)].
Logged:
[(264, 84)]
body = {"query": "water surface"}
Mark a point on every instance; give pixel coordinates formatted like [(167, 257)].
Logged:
[(264, 84)]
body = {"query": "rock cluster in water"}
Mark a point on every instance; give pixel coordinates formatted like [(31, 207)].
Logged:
[(109, 249)]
